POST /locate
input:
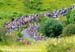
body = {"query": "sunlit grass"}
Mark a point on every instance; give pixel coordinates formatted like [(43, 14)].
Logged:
[(9, 7), (59, 44)]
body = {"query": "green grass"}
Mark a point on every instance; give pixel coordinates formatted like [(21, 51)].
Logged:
[(64, 44), (9, 8), (2, 21), (56, 4)]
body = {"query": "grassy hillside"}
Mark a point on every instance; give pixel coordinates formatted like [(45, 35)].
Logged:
[(17, 8), (56, 4), (14, 8), (10, 8)]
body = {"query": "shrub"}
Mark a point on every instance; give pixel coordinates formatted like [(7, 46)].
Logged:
[(51, 28), (19, 34), (69, 30)]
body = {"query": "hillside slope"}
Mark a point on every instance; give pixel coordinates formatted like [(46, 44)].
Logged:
[(9, 8), (15, 8)]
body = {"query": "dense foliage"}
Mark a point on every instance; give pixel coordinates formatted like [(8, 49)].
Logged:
[(51, 28)]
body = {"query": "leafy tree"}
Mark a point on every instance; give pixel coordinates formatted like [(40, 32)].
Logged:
[(51, 28)]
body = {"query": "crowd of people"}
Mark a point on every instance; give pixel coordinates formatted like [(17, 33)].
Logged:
[(56, 13), (19, 22), (32, 32)]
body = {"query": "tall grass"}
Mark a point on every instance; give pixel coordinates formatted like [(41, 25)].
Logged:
[(64, 44)]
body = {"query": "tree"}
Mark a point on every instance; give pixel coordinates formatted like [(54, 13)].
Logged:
[(51, 28)]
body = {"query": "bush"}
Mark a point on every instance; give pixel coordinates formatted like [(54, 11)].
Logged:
[(69, 30), (19, 34), (51, 28)]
